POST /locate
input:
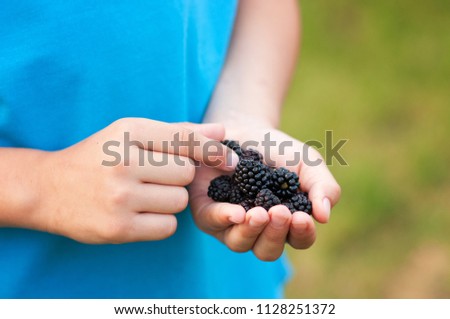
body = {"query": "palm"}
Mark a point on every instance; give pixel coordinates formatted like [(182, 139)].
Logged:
[(264, 232), (203, 206)]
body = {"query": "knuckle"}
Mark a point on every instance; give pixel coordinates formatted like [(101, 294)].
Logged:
[(115, 177), (120, 196)]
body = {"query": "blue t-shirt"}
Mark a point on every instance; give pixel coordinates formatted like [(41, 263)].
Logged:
[(70, 68)]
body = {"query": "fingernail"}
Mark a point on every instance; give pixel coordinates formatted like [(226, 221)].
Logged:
[(326, 208), (254, 223), (251, 222)]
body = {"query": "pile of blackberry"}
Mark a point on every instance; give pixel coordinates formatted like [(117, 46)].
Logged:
[(256, 184)]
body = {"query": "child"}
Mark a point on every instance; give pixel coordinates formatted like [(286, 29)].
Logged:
[(79, 79)]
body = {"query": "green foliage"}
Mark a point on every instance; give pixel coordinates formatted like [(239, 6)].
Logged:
[(377, 73)]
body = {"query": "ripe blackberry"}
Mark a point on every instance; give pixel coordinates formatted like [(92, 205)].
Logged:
[(299, 203), (251, 177), (219, 189), (252, 155), (284, 182), (234, 146), (266, 199), (256, 184), (236, 196), (248, 204)]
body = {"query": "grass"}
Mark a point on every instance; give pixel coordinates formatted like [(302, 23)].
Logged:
[(377, 73)]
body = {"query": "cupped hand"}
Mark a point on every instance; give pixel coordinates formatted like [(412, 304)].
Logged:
[(266, 232)]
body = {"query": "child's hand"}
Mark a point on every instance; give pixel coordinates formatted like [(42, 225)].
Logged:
[(266, 232), (89, 198)]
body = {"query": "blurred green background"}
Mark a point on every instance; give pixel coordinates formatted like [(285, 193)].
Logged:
[(377, 73)]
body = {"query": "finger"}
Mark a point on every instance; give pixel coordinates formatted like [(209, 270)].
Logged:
[(159, 198), (148, 226), (302, 232), (270, 244), (242, 237), (176, 139), (215, 217), (211, 216), (323, 190), (161, 168), (215, 131)]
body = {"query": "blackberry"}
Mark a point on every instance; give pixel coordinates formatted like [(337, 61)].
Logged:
[(248, 204), (299, 203), (284, 182), (243, 154), (236, 196), (220, 188), (252, 154), (234, 146), (251, 177), (266, 199), (256, 184)]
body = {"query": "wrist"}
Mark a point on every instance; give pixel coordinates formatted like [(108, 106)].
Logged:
[(23, 178), (44, 191), (239, 124), (236, 107)]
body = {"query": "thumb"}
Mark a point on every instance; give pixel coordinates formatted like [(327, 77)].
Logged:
[(323, 190), (324, 195)]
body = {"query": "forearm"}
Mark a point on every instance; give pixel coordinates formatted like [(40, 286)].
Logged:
[(259, 65), (20, 171)]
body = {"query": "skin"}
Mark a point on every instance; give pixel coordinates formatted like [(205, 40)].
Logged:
[(248, 101), (69, 192)]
